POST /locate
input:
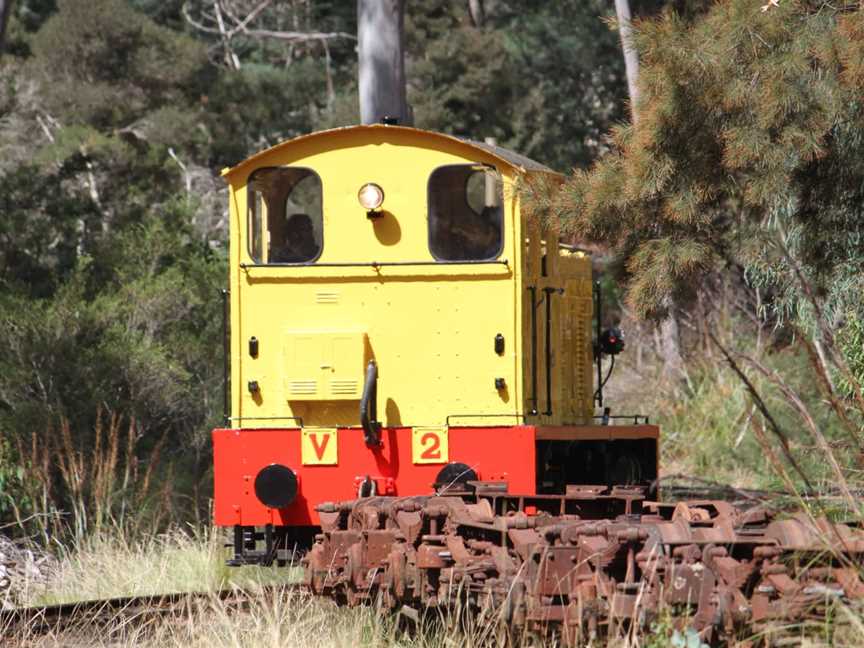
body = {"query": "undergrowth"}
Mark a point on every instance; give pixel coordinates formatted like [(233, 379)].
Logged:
[(711, 426)]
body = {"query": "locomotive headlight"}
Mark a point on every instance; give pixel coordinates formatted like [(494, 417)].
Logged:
[(371, 196)]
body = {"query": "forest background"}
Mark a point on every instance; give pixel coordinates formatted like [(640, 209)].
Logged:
[(729, 209)]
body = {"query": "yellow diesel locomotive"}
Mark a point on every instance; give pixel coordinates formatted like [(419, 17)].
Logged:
[(400, 326)]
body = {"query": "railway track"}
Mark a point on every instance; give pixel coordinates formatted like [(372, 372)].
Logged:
[(43, 619)]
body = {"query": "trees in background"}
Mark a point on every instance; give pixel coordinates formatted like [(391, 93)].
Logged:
[(544, 78), (5, 10), (109, 255), (747, 152), (745, 161), (669, 337), (628, 49), (745, 166)]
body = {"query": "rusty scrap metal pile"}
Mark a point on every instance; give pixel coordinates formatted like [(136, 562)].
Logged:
[(588, 563)]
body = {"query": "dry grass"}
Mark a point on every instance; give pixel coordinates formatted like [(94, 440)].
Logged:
[(80, 484), (110, 565), (271, 619)]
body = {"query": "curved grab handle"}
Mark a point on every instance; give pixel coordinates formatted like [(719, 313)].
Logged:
[(369, 407)]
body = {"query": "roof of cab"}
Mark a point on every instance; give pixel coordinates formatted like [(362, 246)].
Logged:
[(515, 161)]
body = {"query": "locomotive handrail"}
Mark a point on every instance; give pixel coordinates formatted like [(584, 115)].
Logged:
[(598, 311), (374, 264), (369, 407), (534, 304), (549, 291), (226, 355), (267, 418), (634, 417)]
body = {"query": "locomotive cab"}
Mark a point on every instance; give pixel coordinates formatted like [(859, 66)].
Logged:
[(398, 324)]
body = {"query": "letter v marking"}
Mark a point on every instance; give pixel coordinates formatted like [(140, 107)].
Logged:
[(319, 449)]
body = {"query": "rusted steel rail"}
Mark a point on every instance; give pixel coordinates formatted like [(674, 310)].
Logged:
[(41, 619), (679, 486), (588, 563)]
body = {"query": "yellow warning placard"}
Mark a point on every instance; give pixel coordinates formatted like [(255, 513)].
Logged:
[(429, 445), (318, 447)]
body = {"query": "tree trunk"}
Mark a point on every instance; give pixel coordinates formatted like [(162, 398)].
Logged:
[(670, 348), (631, 58), (380, 50), (673, 365), (475, 10), (5, 11)]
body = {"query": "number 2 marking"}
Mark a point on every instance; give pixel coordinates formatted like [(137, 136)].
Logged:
[(429, 445), (433, 452)]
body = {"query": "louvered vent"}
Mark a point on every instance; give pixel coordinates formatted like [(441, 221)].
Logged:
[(344, 387), (327, 297), (302, 387)]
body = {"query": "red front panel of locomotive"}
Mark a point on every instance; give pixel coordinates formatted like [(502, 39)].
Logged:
[(332, 464)]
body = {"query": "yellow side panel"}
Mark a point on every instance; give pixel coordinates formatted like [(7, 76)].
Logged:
[(578, 378), (575, 326), (530, 278), (564, 280)]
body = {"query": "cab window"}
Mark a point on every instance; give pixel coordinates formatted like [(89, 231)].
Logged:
[(465, 213), (285, 217)]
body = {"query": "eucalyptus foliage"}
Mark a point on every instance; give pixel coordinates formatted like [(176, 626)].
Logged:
[(748, 150)]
